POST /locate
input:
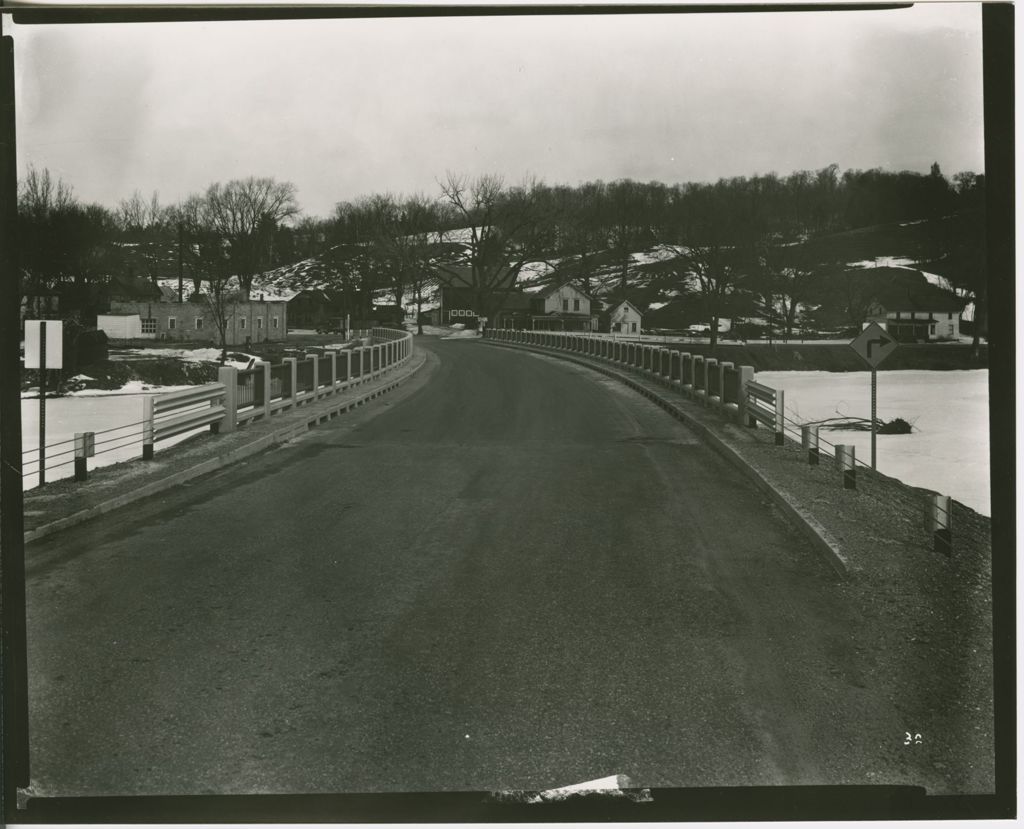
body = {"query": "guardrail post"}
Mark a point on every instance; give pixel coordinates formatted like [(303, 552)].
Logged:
[(809, 441), (846, 459), (940, 523), (316, 374), (710, 370), (699, 385), (722, 367), (348, 367), (147, 427), (264, 366), (746, 376), (85, 448), (334, 370), (228, 375), (293, 363), (780, 418)]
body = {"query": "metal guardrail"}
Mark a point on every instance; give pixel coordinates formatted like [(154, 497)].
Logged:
[(766, 405), (203, 405)]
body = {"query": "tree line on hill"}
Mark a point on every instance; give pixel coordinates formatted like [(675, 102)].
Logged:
[(774, 240)]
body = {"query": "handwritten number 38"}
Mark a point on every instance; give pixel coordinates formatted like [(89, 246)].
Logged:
[(912, 738)]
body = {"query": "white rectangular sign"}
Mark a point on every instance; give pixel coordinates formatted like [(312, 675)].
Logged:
[(54, 343)]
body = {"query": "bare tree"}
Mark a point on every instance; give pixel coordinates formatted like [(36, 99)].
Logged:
[(508, 227), (246, 213)]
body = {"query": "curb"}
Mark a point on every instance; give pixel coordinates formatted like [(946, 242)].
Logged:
[(820, 538), (282, 435)]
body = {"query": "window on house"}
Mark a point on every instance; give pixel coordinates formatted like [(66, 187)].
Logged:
[(172, 323), (199, 323), (149, 326), (275, 322), (951, 315), (634, 327), (931, 329), (241, 322), (259, 322), (952, 329), (575, 305)]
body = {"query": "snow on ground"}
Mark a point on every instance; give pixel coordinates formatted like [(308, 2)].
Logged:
[(465, 334), (948, 451), (905, 264), (884, 262), (131, 387), (659, 253), (194, 355)]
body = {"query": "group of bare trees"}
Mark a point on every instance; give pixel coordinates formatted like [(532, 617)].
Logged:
[(763, 245)]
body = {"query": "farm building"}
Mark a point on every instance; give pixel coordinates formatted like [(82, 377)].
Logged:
[(252, 321), (911, 308)]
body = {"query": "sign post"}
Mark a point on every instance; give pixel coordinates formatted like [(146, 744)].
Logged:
[(873, 344), (38, 335)]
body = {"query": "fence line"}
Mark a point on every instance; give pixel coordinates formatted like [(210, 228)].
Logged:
[(259, 392)]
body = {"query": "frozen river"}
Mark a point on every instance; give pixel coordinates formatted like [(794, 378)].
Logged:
[(948, 451)]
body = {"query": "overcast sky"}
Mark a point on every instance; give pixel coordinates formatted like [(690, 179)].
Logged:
[(347, 108)]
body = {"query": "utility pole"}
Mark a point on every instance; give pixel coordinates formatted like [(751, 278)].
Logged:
[(181, 278)]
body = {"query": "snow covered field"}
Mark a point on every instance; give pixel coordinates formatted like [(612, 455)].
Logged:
[(115, 417), (948, 451)]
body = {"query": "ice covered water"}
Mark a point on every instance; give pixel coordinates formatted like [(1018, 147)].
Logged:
[(115, 417), (948, 451)]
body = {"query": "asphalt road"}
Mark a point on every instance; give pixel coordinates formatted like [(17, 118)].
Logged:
[(513, 573)]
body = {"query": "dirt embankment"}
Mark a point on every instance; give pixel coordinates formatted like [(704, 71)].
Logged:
[(832, 357)]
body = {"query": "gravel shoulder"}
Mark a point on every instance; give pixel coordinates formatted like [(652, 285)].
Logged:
[(925, 627)]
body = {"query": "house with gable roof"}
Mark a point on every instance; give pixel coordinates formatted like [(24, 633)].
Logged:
[(911, 308), (563, 307)]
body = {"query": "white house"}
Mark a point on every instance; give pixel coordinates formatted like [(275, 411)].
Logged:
[(625, 318), (562, 307)]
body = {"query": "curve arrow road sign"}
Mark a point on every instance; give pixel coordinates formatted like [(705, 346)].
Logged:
[(873, 344)]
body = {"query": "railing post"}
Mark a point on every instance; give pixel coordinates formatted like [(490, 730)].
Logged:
[(746, 376), (147, 427), (721, 382), (348, 367), (228, 375), (846, 459), (316, 374), (85, 448), (809, 441), (940, 523), (698, 386), (264, 366), (293, 363), (334, 370), (780, 418)]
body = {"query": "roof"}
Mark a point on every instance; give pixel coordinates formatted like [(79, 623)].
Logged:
[(555, 287), (631, 305), (905, 289)]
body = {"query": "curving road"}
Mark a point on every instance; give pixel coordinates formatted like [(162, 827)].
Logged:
[(512, 573)]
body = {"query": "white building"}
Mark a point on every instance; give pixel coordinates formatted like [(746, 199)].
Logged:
[(625, 318)]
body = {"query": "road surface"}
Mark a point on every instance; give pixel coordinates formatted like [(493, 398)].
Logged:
[(513, 573)]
